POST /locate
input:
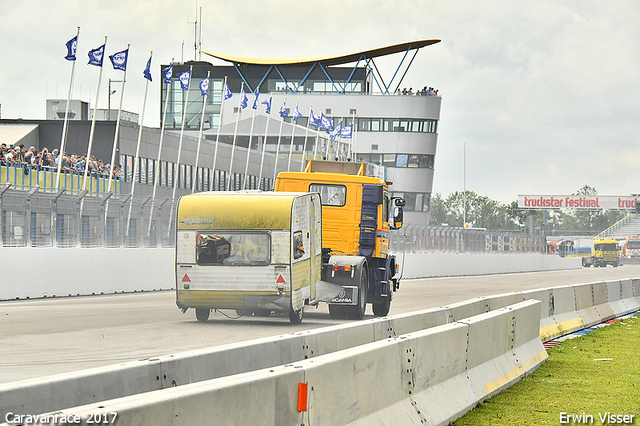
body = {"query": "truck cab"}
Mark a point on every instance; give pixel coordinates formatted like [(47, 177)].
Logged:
[(357, 215)]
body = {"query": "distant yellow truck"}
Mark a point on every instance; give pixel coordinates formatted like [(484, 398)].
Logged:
[(603, 252)]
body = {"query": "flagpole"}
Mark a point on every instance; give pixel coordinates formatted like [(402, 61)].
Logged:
[(136, 160), (156, 175), (306, 135), (177, 173), (235, 135), (66, 118), (353, 138), (93, 124), (115, 137), (264, 147), (215, 154), (253, 119), (204, 104), (315, 146), (275, 164), (293, 131)]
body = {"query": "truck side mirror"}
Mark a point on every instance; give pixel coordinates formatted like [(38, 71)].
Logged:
[(397, 213)]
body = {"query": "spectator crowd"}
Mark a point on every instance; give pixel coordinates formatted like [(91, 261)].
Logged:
[(48, 160), (426, 91)]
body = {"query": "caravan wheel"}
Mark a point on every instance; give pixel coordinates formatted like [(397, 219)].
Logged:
[(296, 316)]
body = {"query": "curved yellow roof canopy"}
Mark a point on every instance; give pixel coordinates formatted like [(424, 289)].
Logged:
[(329, 60)]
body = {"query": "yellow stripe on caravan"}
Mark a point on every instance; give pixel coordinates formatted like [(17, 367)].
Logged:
[(513, 374), (220, 299), (560, 328), (233, 210)]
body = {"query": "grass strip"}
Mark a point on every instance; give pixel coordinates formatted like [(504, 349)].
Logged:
[(585, 377)]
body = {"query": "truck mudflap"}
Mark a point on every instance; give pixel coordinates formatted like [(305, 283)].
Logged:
[(336, 293)]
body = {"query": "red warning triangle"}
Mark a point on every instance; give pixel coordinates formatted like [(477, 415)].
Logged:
[(280, 279), (186, 279)]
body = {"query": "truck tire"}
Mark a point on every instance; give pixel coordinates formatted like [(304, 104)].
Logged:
[(295, 317), (382, 309), (202, 314), (357, 311)]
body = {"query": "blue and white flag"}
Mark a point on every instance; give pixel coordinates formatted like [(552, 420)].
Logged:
[(204, 87), (244, 101), (314, 120), (185, 79), (347, 132), (72, 47), (168, 72), (335, 132), (296, 113), (268, 104), (227, 92), (96, 56), (326, 123), (119, 60), (283, 110), (255, 102), (147, 70)]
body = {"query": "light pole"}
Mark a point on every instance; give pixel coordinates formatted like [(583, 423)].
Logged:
[(111, 92)]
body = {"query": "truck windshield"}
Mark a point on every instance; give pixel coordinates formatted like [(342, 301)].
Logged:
[(330, 195), (633, 244), (606, 247), (233, 248)]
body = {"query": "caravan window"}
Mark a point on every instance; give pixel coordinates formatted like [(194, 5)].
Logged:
[(233, 248), (330, 195)]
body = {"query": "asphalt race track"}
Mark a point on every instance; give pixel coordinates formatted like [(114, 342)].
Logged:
[(50, 336)]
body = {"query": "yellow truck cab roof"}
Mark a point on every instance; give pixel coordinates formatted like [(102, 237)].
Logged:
[(236, 210)]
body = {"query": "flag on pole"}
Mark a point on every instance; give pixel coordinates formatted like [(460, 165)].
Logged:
[(147, 70), (96, 56), (268, 104), (185, 79), (296, 113), (255, 102), (204, 86), (283, 110), (326, 123), (314, 120), (243, 104), (168, 72), (335, 132), (119, 60), (227, 92), (72, 47), (347, 132)]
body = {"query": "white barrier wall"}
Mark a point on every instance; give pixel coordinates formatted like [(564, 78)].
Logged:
[(56, 272)]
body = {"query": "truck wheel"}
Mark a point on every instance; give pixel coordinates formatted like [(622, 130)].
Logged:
[(615, 264), (357, 312), (296, 316), (202, 314), (382, 309)]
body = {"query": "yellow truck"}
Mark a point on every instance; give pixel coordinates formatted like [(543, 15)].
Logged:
[(603, 252), (326, 239), (357, 214)]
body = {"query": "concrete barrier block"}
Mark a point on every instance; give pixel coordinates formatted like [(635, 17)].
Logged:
[(543, 295), (52, 393), (592, 304), (626, 292), (499, 301), (616, 299), (226, 360), (524, 351), (468, 308), (636, 289), (357, 382), (413, 321), (265, 397)]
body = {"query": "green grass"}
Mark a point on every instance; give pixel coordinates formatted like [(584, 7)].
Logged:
[(574, 382)]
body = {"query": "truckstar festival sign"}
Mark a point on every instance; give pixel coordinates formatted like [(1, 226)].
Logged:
[(581, 202)]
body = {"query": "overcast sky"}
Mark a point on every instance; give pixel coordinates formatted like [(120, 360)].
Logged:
[(545, 94)]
